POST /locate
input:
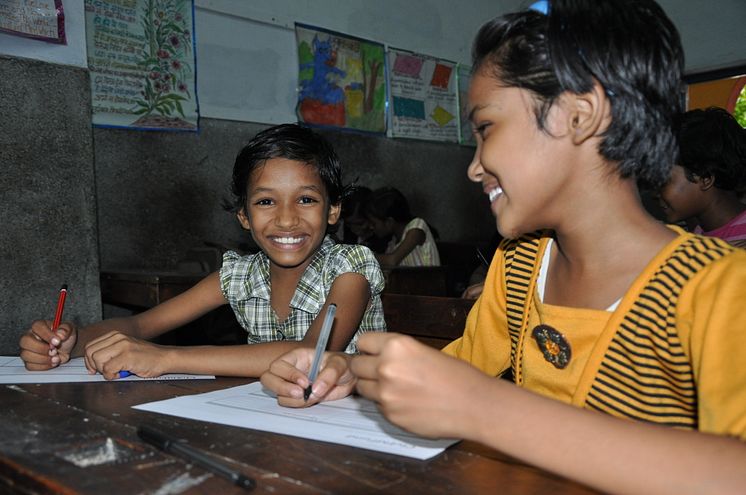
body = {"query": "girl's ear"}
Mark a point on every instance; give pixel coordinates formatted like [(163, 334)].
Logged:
[(243, 219), (589, 114), (334, 212)]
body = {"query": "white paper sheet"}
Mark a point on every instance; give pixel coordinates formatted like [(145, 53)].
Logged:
[(13, 371), (352, 421)]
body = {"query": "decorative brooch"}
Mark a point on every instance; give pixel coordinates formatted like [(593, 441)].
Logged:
[(553, 345)]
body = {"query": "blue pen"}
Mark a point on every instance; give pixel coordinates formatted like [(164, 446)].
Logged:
[(124, 374)]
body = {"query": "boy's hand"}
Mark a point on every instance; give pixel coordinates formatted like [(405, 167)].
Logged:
[(287, 377), (43, 349), (417, 387), (114, 352)]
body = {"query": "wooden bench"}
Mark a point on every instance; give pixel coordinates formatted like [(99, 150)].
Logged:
[(434, 321), (418, 280)]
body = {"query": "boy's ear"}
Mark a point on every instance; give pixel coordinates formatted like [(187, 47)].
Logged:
[(334, 212), (243, 219), (589, 114)]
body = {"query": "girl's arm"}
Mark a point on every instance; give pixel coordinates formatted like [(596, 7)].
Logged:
[(349, 291), (434, 395), (412, 239)]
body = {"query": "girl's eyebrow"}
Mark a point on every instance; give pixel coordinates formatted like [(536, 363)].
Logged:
[(474, 110)]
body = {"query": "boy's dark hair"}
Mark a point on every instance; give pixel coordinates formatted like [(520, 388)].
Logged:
[(712, 144), (388, 202), (291, 141), (629, 46)]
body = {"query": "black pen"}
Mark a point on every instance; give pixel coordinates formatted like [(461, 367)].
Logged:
[(193, 455), (482, 258), (326, 327)]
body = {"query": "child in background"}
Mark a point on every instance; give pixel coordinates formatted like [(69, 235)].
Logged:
[(412, 242), (287, 189), (709, 176), (624, 335), (355, 227)]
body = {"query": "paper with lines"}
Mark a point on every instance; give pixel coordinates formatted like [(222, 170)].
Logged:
[(352, 421), (12, 370)]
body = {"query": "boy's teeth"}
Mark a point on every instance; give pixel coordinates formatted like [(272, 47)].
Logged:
[(495, 193), (288, 240)]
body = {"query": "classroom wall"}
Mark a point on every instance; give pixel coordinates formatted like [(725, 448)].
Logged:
[(47, 204)]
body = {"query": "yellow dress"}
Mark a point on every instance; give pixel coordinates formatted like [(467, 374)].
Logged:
[(672, 352)]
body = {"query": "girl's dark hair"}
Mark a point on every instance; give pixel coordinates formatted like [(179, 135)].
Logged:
[(629, 46), (291, 141), (713, 144), (388, 202)]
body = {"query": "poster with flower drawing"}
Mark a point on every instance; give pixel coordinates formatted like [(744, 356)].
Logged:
[(142, 64)]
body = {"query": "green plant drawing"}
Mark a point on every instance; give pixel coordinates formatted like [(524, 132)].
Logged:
[(167, 44)]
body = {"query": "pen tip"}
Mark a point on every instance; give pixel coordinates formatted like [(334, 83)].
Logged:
[(64, 287)]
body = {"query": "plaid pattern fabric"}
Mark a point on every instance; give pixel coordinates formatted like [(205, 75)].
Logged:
[(246, 285)]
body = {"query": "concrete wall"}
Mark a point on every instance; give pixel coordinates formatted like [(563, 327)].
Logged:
[(47, 197)]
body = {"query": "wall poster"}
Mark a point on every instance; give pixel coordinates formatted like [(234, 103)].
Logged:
[(423, 97), (38, 19), (465, 131), (142, 64), (341, 80)]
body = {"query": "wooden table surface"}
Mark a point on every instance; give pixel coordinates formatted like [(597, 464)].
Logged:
[(53, 438)]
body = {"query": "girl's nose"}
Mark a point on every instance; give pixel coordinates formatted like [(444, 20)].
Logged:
[(475, 170)]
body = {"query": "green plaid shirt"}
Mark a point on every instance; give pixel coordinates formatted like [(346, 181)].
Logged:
[(246, 285)]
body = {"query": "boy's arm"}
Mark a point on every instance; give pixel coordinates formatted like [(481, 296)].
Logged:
[(205, 296), (414, 238), (41, 348), (350, 292)]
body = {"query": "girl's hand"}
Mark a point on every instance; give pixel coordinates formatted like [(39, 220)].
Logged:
[(287, 377), (43, 349), (417, 387), (114, 352)]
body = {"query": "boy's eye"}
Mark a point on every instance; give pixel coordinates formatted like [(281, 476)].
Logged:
[(306, 200), (263, 202)]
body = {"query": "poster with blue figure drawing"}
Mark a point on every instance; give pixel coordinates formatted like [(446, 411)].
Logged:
[(341, 80)]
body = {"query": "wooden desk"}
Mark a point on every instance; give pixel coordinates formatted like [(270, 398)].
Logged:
[(143, 289), (49, 432)]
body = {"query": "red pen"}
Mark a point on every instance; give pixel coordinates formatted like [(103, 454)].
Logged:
[(60, 308)]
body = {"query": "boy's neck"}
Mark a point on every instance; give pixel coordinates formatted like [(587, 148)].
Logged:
[(283, 282)]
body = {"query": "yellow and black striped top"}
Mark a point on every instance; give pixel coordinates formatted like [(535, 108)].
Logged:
[(671, 352)]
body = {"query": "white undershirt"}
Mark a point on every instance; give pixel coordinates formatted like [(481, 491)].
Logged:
[(541, 282)]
